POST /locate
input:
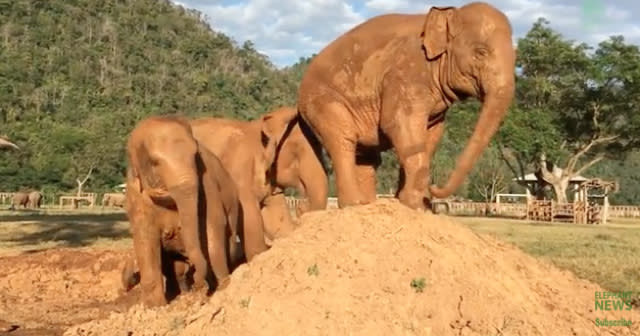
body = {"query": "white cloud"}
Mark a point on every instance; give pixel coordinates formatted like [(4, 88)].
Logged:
[(387, 5), (285, 30)]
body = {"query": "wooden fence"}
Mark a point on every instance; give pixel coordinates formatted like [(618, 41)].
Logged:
[(516, 210)]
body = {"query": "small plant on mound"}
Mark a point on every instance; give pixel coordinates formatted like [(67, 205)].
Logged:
[(313, 270), (418, 284)]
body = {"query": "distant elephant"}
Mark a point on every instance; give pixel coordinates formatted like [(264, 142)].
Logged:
[(265, 156), (176, 188), (377, 86), (35, 199), (113, 200), (20, 198)]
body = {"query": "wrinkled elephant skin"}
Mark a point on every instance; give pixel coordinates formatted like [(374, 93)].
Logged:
[(376, 86), (179, 198), (265, 156)]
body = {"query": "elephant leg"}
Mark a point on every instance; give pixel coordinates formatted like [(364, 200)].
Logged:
[(252, 225), (217, 242), (235, 249), (171, 270), (277, 218), (367, 164), (146, 243), (434, 135), (340, 143), (407, 136), (302, 207), (181, 270)]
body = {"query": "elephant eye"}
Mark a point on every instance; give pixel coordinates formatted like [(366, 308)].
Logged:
[(482, 52)]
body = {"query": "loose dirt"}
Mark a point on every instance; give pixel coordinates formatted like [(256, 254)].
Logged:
[(379, 269)]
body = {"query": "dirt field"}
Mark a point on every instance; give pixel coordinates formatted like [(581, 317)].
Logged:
[(371, 270)]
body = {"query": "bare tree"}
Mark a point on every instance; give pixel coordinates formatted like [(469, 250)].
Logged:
[(490, 176), (83, 181), (558, 177)]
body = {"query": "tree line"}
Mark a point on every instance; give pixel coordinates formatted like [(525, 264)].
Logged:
[(78, 75)]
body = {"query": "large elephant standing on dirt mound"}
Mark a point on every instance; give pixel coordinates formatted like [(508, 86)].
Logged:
[(376, 87), (264, 156), (35, 199), (181, 199)]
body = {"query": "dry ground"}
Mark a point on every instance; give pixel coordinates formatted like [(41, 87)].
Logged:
[(378, 269)]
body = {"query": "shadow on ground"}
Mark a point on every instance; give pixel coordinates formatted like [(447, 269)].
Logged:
[(64, 230)]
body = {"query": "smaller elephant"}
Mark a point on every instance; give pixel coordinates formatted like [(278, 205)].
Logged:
[(265, 156), (20, 198), (179, 199), (113, 200), (35, 199), (175, 268)]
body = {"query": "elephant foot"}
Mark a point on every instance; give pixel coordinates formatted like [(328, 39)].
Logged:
[(414, 200), (151, 301), (346, 204)]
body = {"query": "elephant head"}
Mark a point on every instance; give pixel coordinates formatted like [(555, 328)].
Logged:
[(7, 144), (275, 127), (299, 165), (473, 48)]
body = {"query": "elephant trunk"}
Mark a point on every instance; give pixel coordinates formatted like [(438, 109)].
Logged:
[(6, 143), (185, 195), (496, 102)]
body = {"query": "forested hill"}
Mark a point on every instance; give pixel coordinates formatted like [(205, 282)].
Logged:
[(77, 76)]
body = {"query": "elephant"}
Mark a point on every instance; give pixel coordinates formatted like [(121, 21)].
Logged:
[(20, 198), (175, 268), (180, 199), (265, 156), (113, 199), (35, 199), (380, 85)]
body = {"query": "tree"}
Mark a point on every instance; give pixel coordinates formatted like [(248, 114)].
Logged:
[(489, 176), (588, 103), (73, 86)]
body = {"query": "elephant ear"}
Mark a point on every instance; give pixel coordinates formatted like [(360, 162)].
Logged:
[(275, 126), (440, 26)]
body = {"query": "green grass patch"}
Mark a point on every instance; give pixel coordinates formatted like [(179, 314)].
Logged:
[(605, 254)]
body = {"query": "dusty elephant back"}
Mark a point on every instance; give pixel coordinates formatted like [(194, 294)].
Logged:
[(356, 50)]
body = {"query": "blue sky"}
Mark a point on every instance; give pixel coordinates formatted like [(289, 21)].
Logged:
[(285, 30)]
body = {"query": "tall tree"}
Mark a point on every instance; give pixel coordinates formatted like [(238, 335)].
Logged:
[(573, 109)]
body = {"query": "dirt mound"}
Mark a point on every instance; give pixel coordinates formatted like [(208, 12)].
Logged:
[(382, 269), (43, 293)]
